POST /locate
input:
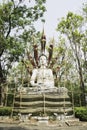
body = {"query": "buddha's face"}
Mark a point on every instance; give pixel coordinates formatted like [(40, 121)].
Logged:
[(43, 61)]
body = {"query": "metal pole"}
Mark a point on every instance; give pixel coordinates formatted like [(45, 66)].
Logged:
[(44, 91), (44, 102)]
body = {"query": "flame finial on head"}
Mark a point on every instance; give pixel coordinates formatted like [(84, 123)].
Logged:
[(43, 41)]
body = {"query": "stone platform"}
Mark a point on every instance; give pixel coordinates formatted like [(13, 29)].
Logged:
[(49, 102)]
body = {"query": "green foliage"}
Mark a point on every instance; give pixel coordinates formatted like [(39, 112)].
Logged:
[(16, 29), (70, 25), (81, 113), (85, 10), (10, 99), (72, 29), (5, 111)]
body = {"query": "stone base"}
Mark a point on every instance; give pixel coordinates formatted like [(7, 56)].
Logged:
[(44, 89), (39, 101)]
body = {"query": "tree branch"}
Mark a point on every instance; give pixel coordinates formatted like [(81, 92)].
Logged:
[(9, 30)]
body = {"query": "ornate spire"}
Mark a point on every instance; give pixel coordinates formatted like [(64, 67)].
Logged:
[(50, 50), (35, 51), (43, 42)]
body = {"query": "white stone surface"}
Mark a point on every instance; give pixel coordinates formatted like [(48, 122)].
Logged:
[(42, 77)]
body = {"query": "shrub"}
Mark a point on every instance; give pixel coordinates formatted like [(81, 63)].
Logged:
[(81, 113), (5, 111)]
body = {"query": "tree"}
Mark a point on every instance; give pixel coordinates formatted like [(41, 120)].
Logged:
[(16, 28), (84, 43), (71, 27)]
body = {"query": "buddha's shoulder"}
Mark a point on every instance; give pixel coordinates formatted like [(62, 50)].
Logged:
[(35, 70)]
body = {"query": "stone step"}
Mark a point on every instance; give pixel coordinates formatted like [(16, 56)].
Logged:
[(41, 98), (41, 103), (42, 109)]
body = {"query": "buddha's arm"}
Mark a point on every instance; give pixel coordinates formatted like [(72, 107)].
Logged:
[(51, 77), (33, 77)]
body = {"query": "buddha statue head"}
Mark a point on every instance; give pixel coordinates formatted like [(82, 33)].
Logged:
[(43, 60)]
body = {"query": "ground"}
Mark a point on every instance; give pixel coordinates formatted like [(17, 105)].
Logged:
[(40, 127), (51, 125)]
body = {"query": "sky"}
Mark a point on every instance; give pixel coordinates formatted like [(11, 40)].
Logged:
[(55, 10)]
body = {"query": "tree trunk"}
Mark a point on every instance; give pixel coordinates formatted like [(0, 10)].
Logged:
[(1, 81), (82, 86)]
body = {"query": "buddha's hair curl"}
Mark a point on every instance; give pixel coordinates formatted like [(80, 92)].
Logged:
[(42, 55)]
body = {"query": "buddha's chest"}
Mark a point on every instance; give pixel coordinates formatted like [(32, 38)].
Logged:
[(43, 73)]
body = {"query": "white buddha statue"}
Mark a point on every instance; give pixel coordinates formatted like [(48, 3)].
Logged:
[(43, 76)]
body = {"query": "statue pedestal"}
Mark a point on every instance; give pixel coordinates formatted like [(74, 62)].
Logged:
[(49, 101)]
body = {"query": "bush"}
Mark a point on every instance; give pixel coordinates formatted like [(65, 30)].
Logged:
[(5, 111), (81, 113)]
